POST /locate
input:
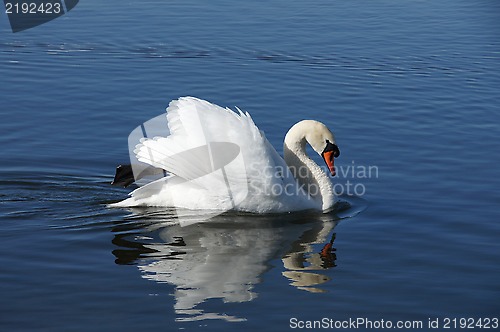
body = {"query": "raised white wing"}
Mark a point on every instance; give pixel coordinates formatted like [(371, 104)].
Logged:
[(200, 149)]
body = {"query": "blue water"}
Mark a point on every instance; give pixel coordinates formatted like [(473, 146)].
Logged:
[(408, 87)]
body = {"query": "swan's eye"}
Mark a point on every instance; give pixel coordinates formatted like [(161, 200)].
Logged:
[(333, 148)]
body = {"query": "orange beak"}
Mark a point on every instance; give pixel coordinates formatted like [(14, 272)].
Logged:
[(329, 157)]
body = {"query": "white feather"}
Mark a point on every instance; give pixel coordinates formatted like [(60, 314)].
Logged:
[(255, 181)]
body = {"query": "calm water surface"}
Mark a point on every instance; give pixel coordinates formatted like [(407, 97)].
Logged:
[(409, 87)]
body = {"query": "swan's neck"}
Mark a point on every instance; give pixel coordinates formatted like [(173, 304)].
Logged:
[(308, 174)]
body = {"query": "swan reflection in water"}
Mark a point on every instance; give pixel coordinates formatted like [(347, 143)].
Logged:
[(226, 257)]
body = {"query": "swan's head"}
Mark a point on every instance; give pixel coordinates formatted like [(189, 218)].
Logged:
[(318, 136), (323, 142)]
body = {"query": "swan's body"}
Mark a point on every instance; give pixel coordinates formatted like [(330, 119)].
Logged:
[(252, 178)]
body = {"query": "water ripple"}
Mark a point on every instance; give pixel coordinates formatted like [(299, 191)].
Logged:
[(397, 64)]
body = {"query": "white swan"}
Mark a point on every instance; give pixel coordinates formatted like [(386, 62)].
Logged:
[(217, 159)]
